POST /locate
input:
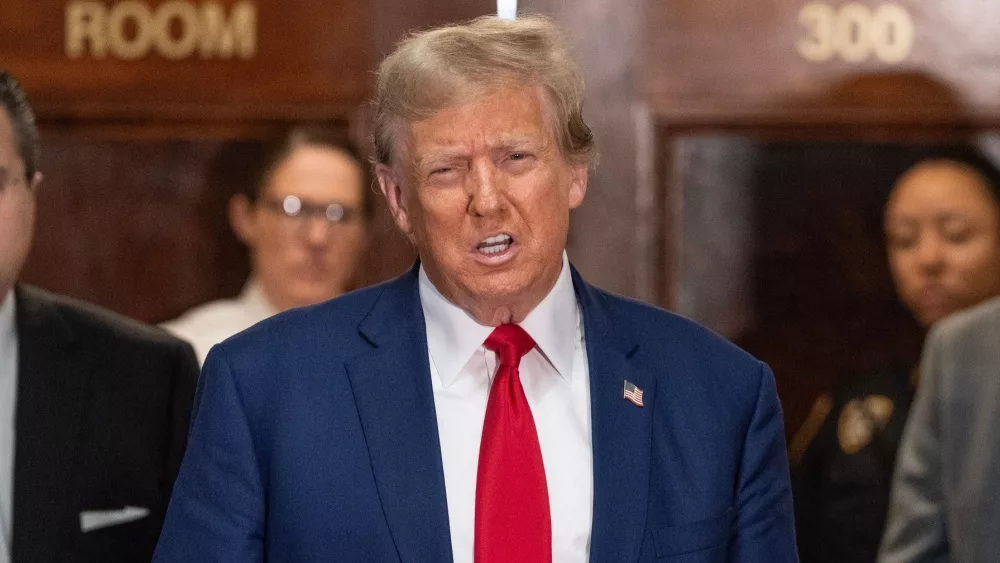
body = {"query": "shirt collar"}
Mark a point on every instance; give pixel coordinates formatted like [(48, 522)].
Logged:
[(7, 318), (453, 336), (554, 323)]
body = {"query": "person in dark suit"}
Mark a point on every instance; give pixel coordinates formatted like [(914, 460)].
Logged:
[(489, 405), (94, 408)]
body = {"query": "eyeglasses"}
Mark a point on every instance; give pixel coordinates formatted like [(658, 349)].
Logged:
[(294, 208)]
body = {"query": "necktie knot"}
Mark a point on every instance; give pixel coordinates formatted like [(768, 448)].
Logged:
[(510, 342)]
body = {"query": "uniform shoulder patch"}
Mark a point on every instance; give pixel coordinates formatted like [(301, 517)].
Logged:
[(860, 419)]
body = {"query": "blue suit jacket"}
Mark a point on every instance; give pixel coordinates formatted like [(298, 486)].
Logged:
[(314, 438)]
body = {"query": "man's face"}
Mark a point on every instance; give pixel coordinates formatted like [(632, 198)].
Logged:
[(305, 260), (17, 207), (485, 194), (943, 232)]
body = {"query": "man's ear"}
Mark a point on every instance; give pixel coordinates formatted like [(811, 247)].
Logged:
[(241, 219), (392, 188), (578, 184)]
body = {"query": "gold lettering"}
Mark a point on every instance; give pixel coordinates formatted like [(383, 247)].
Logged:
[(223, 38), (176, 29), (86, 22), (819, 45), (139, 46), (855, 32), (183, 46), (892, 33), (851, 32)]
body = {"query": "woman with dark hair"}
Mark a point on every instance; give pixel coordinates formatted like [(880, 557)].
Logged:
[(942, 226), (304, 219)]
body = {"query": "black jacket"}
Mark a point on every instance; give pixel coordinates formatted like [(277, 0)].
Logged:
[(103, 405), (842, 484)]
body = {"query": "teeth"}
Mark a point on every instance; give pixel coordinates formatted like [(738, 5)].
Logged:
[(494, 249), (505, 239), (495, 244)]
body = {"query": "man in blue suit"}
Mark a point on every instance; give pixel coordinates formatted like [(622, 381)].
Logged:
[(489, 406)]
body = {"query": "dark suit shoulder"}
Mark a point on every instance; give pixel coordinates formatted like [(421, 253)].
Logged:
[(291, 344), (90, 323)]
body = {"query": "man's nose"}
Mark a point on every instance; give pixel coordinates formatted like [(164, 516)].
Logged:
[(316, 230), (486, 195)]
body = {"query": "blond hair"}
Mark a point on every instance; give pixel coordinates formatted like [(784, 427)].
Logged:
[(440, 68)]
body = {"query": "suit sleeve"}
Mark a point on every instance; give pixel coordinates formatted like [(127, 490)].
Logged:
[(915, 531), (765, 528), (216, 514)]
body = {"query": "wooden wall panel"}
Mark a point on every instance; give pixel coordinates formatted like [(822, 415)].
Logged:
[(793, 99), (138, 226), (311, 61), (783, 252), (392, 21), (725, 61)]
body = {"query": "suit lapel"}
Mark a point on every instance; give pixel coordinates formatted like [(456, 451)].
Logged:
[(51, 399), (395, 400), (620, 429)]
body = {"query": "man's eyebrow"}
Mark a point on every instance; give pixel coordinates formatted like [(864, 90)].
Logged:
[(437, 156), (445, 153)]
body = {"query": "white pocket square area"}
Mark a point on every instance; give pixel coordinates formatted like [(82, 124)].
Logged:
[(91, 520)]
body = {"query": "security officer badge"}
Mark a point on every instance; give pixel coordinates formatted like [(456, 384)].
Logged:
[(860, 419)]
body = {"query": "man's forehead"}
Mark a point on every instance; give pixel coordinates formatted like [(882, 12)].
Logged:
[(444, 144)]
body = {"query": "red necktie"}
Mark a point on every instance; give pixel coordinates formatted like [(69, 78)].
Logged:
[(512, 500)]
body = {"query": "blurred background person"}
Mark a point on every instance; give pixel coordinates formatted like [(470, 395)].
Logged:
[(94, 408), (304, 220), (942, 228), (945, 503)]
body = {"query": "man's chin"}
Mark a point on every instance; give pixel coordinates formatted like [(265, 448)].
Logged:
[(498, 294)]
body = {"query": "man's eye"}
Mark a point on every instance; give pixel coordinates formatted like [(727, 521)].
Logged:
[(444, 170), (518, 156)]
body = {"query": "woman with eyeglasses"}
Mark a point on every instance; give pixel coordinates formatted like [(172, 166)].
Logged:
[(304, 220)]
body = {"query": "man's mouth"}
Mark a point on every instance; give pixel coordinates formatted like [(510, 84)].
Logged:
[(496, 244)]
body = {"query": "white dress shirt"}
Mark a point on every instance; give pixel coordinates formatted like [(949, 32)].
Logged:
[(8, 403), (211, 323), (556, 383)]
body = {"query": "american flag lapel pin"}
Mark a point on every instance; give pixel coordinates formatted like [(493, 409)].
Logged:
[(633, 393)]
